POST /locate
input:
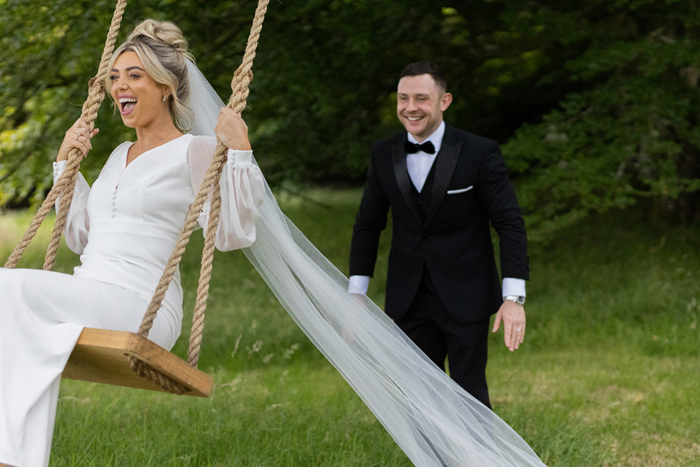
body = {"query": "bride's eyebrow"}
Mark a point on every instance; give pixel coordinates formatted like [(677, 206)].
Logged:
[(129, 69)]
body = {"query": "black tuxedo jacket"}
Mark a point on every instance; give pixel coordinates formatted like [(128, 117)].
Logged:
[(452, 240)]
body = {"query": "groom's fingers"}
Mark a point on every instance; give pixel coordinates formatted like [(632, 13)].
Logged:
[(507, 331), (511, 336), (497, 321)]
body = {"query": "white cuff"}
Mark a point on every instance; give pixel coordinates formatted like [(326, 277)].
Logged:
[(58, 169), (358, 285), (512, 286), (238, 158)]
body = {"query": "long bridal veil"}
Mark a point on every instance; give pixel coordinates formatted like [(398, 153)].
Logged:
[(432, 419)]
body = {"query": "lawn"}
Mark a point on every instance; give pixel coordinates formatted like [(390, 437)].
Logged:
[(609, 374)]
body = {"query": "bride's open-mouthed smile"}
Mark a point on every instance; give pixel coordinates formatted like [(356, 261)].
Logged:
[(142, 102), (126, 104)]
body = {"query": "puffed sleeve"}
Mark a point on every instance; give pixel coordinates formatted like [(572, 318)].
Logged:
[(78, 221), (242, 193)]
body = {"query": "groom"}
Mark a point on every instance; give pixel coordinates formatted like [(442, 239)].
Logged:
[(444, 186)]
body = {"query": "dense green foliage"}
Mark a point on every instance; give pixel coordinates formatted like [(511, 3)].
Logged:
[(606, 376), (631, 130), (595, 101)]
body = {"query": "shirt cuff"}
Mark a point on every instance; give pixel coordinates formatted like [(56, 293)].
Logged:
[(238, 158), (358, 285), (512, 286), (58, 169)]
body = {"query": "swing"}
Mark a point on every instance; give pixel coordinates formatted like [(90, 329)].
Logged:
[(125, 358)]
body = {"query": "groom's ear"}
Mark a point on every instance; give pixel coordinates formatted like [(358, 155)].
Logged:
[(445, 101)]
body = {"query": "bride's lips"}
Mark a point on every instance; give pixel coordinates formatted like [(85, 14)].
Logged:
[(126, 104)]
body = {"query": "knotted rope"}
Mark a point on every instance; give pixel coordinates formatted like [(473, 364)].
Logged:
[(65, 184), (239, 85)]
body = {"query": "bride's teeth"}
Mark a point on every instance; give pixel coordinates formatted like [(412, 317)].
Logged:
[(127, 101)]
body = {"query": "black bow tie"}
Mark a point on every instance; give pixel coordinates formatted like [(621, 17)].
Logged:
[(412, 148)]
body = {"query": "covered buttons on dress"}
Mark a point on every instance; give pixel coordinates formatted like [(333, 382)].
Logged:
[(114, 203)]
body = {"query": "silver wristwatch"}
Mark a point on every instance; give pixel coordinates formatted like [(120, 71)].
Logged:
[(519, 299)]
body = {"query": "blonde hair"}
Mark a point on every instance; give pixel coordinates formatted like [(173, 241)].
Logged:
[(163, 51)]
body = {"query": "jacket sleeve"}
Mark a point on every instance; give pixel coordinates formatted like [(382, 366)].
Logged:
[(498, 198), (242, 193), (369, 223)]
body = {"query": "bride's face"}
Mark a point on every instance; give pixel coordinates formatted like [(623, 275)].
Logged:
[(139, 97)]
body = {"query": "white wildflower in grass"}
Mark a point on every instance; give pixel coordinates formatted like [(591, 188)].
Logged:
[(233, 384), (255, 349), (290, 351), (235, 348)]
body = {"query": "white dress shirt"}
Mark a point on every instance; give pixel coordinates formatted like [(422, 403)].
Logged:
[(419, 165)]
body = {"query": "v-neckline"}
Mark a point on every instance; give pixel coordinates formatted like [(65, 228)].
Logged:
[(126, 159), (125, 166)]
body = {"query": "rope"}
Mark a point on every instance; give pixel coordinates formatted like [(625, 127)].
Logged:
[(66, 183), (239, 85)]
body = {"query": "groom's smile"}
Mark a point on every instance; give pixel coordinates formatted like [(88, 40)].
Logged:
[(420, 104)]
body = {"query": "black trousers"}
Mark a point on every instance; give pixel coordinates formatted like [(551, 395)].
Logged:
[(439, 335)]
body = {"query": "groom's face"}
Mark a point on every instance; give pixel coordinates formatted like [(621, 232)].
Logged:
[(420, 104)]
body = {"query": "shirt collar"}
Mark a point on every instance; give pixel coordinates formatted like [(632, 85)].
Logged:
[(435, 138)]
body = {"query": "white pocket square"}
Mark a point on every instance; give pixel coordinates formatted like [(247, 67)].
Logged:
[(461, 190)]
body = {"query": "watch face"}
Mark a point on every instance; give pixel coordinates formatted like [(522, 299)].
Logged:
[(516, 298)]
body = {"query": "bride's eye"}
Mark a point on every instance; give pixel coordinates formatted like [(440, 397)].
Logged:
[(113, 78)]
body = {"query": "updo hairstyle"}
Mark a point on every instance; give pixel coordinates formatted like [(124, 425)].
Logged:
[(163, 50)]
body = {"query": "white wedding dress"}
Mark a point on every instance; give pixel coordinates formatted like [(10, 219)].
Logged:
[(124, 228)]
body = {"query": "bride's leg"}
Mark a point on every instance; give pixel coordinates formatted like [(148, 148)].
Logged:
[(42, 315), (33, 352), (40, 422)]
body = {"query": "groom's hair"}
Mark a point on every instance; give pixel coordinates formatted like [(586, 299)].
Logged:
[(426, 68)]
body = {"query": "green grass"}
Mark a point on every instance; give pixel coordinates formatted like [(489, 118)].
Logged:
[(608, 376)]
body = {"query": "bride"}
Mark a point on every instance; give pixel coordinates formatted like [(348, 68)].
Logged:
[(125, 226)]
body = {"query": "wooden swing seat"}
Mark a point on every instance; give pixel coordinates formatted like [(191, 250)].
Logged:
[(101, 356)]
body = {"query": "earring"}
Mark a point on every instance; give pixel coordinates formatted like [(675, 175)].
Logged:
[(164, 98)]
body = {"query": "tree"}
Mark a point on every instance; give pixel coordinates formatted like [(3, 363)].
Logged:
[(595, 100), (632, 131)]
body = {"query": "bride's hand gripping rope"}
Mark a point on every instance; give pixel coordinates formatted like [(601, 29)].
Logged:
[(78, 136), (232, 130)]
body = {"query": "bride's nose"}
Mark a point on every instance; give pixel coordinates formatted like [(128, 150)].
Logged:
[(118, 84)]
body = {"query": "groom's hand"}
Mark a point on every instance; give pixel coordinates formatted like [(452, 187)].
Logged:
[(513, 317)]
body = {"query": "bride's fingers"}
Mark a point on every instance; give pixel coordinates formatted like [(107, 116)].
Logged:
[(81, 142)]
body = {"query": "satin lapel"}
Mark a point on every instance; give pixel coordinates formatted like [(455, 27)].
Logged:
[(446, 162), (403, 180)]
